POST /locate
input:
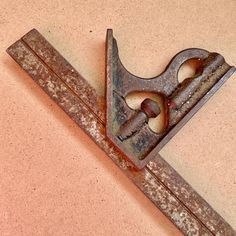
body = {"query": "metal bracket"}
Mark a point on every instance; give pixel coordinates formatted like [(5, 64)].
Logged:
[(128, 129), (168, 191)]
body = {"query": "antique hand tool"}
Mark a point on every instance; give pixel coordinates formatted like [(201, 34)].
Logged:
[(123, 133), (128, 129)]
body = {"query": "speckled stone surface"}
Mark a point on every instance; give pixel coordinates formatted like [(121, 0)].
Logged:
[(54, 179)]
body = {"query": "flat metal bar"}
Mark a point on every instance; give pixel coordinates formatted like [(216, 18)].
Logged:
[(150, 180), (62, 68), (191, 199)]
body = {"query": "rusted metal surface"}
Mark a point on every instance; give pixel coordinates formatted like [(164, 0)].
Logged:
[(129, 129), (44, 50), (149, 109), (158, 181)]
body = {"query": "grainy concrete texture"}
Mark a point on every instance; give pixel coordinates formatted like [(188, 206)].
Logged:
[(53, 179)]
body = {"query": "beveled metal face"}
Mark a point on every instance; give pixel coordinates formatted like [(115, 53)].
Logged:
[(128, 129)]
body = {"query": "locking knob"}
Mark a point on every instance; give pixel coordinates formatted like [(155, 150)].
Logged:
[(150, 107)]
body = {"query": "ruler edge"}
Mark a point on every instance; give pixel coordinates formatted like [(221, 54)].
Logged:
[(155, 175)]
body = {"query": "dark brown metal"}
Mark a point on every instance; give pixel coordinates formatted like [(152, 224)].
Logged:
[(158, 180), (129, 130), (149, 109)]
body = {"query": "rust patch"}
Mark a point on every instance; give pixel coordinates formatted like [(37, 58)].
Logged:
[(131, 133), (158, 181)]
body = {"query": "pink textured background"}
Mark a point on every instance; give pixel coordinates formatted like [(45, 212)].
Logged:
[(53, 179)]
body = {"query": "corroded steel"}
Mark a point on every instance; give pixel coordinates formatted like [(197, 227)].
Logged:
[(127, 129), (158, 180), (149, 109)]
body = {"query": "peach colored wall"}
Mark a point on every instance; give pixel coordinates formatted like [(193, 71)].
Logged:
[(53, 179)]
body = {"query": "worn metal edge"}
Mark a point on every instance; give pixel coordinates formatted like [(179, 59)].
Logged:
[(163, 171), (181, 189), (193, 111), (191, 199), (184, 191), (145, 180), (45, 51), (111, 48)]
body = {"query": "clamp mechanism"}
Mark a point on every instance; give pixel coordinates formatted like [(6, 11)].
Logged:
[(128, 128)]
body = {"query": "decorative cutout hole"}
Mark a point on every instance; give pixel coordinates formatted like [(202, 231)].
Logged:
[(134, 101), (190, 68)]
